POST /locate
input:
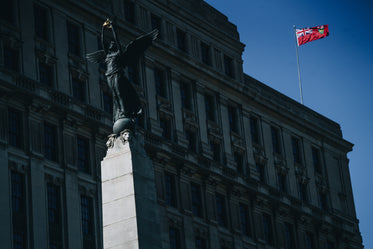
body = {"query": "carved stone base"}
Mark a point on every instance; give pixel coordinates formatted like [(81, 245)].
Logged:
[(130, 209)]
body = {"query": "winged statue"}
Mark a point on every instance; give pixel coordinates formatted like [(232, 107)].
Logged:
[(126, 103)]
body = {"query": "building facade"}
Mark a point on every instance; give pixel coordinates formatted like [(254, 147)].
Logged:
[(237, 164)]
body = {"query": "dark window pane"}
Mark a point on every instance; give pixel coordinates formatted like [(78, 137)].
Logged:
[(78, 89), (19, 211), (228, 66), (160, 83), (267, 229), (108, 102), (296, 149), (15, 128), (316, 160), (174, 238), (200, 243), (186, 96), (210, 107), (310, 244), (330, 245), (7, 11), (41, 22), (215, 148), (181, 40), (129, 11), (289, 236), (196, 200), (323, 201), (221, 211), (170, 190), (73, 38), (205, 53), (244, 219), (275, 140), (192, 140), (46, 74), (238, 159), (156, 24), (254, 130), (11, 58), (50, 142), (83, 155), (87, 222), (165, 125), (54, 216), (233, 119), (302, 192)]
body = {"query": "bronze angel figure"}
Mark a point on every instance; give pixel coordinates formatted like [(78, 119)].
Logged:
[(126, 103)]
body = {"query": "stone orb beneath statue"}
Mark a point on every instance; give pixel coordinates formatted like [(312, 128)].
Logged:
[(123, 124)]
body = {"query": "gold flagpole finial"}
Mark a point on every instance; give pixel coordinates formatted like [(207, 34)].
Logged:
[(107, 24)]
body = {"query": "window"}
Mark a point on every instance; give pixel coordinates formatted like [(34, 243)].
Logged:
[(133, 74), (316, 160), (156, 23), (302, 187), (221, 214), (276, 145), (254, 131), (160, 83), (19, 211), (192, 140), (165, 125), (50, 142), (7, 11), (261, 172), (54, 216), (186, 96), (196, 200), (107, 100), (205, 53), (233, 119), (129, 11), (238, 159), (281, 180), (245, 220), (15, 128), (323, 200), (170, 190), (200, 243), (83, 155), (181, 40), (73, 39), (289, 236), (87, 222), (210, 107), (11, 58), (330, 245), (41, 22), (45, 74), (296, 149), (174, 238), (216, 153), (228, 66), (267, 229), (78, 89), (310, 243)]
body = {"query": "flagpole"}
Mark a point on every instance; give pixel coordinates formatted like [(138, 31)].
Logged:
[(300, 83)]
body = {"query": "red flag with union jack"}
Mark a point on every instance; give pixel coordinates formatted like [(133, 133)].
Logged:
[(311, 34)]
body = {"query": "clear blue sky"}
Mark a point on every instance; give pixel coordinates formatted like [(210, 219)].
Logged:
[(337, 71)]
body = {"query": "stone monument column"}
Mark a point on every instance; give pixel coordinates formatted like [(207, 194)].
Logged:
[(130, 210)]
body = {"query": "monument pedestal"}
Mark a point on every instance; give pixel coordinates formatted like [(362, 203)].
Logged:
[(130, 210)]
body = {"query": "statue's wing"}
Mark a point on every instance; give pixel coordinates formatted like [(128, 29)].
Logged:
[(135, 48), (97, 57)]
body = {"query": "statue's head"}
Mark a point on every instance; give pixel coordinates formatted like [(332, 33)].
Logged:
[(112, 46)]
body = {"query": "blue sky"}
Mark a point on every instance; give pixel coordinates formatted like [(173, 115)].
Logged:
[(336, 71)]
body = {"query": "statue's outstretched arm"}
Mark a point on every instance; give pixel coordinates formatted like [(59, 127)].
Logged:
[(102, 38), (116, 38)]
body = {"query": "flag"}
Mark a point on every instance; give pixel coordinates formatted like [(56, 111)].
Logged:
[(311, 34)]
